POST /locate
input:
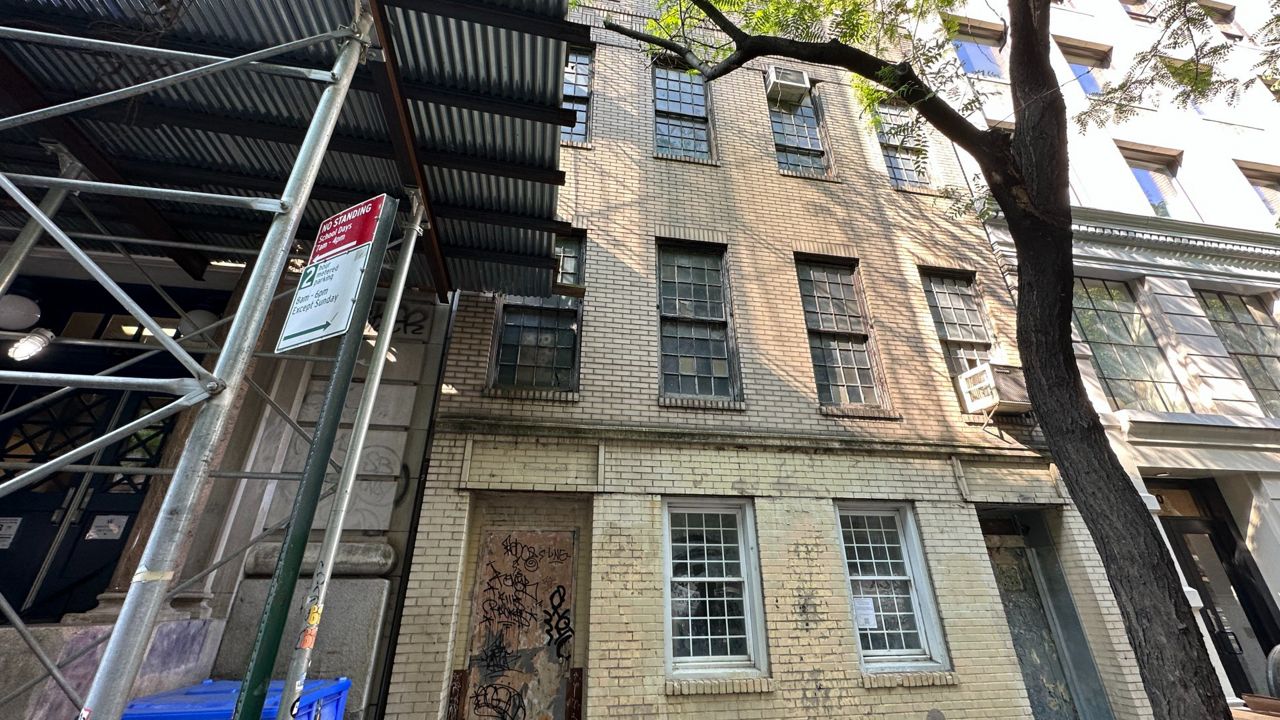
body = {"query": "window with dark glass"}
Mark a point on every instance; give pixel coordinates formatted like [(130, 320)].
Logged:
[(957, 316), (837, 334), (693, 301), (577, 94), (537, 342), (797, 138), (902, 145), (1252, 338), (680, 106), (1129, 363)]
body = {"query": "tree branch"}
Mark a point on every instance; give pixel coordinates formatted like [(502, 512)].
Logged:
[(726, 25)]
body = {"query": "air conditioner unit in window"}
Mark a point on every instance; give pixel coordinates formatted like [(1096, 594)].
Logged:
[(786, 85), (993, 389)]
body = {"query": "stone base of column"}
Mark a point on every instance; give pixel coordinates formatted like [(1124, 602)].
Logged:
[(187, 606)]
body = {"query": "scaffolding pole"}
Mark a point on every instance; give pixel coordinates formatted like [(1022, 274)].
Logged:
[(253, 692), (162, 558), (313, 606), (30, 233)]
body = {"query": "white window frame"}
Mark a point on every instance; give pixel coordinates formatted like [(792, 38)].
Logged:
[(757, 663), (934, 656)]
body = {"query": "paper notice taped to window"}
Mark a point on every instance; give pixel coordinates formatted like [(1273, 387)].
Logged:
[(864, 613)]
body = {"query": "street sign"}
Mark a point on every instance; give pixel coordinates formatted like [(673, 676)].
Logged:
[(325, 298)]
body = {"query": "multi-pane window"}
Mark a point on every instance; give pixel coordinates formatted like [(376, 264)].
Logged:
[(536, 347), (902, 146), (1252, 337), (577, 94), (957, 316), (1159, 183), (892, 604), (979, 55), (714, 618), (693, 303), (1131, 366), (797, 139), (680, 107), (1224, 17), (837, 334)]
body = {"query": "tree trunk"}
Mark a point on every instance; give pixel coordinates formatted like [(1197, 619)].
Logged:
[(1179, 678), (1030, 182)]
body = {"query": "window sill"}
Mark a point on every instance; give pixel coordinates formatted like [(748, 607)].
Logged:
[(686, 159), (927, 190), (701, 403), (908, 678), (870, 412), (719, 686), (579, 144), (820, 177), (525, 394)]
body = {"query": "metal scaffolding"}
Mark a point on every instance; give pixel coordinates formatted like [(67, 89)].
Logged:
[(502, 241)]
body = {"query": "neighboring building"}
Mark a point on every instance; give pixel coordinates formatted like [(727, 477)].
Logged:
[(1178, 282), (728, 473)]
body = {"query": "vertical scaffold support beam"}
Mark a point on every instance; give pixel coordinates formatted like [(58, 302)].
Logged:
[(31, 232), (162, 558)]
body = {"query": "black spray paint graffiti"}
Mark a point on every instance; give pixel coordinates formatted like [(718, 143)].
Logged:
[(558, 625), (498, 701), (530, 556), (495, 659), (510, 599)]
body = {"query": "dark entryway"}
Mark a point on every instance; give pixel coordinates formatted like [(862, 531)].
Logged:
[(1057, 668), (1238, 609)]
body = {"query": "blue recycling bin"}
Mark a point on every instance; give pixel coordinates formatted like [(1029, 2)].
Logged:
[(216, 700)]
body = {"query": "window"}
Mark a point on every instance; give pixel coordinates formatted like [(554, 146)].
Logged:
[(680, 106), (1224, 17), (892, 600), (697, 357), (1086, 63), (577, 95), (797, 139), (1157, 177), (957, 316), (1252, 337), (1133, 370), (838, 338), (713, 589), (1266, 183), (536, 347), (903, 148), (1141, 10), (980, 54)]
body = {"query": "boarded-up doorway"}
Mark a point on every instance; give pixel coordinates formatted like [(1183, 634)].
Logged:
[(522, 625)]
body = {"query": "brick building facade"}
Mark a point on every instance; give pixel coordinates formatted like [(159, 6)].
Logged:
[(646, 460)]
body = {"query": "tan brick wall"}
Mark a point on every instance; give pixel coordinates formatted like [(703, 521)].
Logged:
[(614, 453)]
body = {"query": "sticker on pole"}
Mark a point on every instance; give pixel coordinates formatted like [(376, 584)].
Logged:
[(325, 299)]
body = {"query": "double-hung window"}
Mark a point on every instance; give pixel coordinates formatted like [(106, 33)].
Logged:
[(577, 95), (714, 609), (1252, 338), (693, 304), (957, 316), (902, 145), (1157, 176), (537, 341), (892, 599), (1131, 366), (797, 137), (681, 123), (838, 338)]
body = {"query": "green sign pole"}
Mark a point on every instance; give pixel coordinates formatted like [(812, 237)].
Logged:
[(253, 692)]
